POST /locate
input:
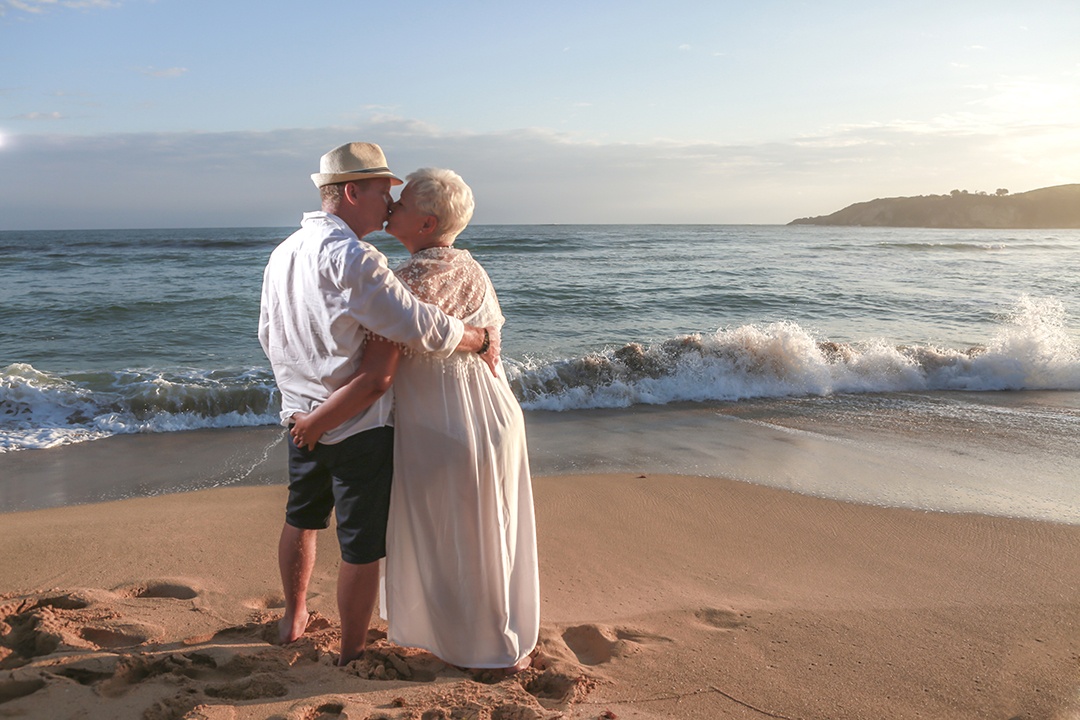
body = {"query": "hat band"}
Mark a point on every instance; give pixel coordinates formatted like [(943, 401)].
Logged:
[(365, 170)]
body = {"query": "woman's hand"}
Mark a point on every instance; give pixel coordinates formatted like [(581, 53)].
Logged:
[(303, 434)]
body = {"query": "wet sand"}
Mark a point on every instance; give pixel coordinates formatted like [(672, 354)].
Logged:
[(1006, 454)]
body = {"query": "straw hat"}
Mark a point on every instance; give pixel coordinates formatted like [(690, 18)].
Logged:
[(353, 161)]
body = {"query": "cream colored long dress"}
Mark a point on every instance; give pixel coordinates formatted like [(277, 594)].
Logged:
[(461, 570)]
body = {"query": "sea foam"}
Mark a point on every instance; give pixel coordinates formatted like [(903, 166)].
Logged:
[(41, 410), (1030, 350)]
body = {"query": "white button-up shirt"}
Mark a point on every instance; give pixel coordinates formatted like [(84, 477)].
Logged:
[(323, 290)]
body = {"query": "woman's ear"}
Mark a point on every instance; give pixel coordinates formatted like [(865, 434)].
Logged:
[(431, 224)]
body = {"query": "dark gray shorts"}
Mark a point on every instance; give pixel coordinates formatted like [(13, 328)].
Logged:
[(351, 477)]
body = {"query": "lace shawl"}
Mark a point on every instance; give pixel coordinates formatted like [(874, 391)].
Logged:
[(446, 277)]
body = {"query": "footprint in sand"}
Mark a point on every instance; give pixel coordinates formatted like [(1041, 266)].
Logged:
[(35, 627), (20, 617), (328, 711), (220, 673), (117, 637), (90, 670), (23, 640), (325, 710), (553, 689), (15, 689), (66, 601), (182, 705), (722, 619), (159, 589), (254, 687), (132, 670), (556, 684), (267, 602), (515, 712), (596, 645)]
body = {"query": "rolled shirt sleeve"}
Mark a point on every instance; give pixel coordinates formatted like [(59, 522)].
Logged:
[(323, 292), (376, 299)]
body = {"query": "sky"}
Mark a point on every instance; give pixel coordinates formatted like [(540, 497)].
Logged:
[(190, 113)]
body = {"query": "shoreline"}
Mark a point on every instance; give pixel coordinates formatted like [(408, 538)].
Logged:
[(662, 596), (983, 453)]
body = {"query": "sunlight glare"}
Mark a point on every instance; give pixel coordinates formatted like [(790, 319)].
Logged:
[(1036, 102)]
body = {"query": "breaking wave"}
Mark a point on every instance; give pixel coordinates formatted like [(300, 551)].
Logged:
[(1032, 350)]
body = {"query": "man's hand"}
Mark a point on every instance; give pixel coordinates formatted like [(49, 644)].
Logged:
[(491, 356), (488, 340)]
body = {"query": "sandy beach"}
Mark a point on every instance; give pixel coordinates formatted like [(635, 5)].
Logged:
[(663, 597)]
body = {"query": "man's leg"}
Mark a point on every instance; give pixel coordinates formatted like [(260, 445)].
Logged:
[(296, 559), (311, 500), (362, 466), (357, 589)]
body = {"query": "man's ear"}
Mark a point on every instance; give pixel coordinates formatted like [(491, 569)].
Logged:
[(349, 192)]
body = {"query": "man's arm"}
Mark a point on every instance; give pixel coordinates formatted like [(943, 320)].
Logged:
[(371, 380), (382, 303), (486, 342)]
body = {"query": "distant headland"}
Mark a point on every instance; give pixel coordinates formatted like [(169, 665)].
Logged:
[(1051, 207)]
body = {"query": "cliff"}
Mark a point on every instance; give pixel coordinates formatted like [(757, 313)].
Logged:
[(1052, 207)]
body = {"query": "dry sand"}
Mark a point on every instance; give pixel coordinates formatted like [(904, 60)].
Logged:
[(663, 597)]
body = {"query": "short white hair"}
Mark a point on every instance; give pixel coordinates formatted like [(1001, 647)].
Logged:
[(442, 193)]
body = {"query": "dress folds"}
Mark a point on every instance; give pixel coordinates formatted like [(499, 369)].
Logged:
[(462, 578)]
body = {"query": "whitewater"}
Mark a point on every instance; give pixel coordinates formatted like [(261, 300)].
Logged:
[(105, 333)]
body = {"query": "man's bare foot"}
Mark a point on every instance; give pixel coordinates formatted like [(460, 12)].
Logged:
[(346, 658), (292, 629)]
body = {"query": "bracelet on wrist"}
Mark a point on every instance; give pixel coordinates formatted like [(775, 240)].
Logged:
[(487, 343)]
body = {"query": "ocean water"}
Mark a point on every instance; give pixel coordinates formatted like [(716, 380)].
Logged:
[(973, 335), (105, 332)]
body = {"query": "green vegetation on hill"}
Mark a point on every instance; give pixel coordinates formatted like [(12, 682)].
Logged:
[(1052, 207)]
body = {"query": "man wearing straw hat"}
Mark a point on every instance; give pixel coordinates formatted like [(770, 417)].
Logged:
[(324, 292)]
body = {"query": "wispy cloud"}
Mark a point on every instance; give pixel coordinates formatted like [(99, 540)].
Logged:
[(37, 7), (1008, 107), (163, 73), (39, 116), (528, 175)]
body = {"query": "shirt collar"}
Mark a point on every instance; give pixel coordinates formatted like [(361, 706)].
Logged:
[(323, 216)]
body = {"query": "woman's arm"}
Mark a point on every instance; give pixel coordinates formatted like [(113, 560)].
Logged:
[(368, 383)]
